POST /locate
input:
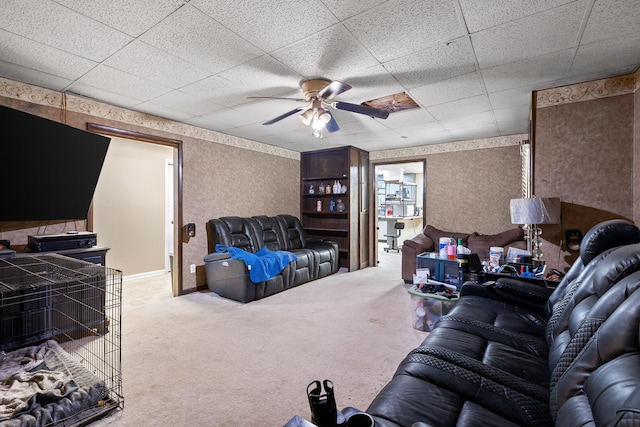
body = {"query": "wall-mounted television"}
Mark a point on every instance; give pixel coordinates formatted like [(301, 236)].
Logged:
[(49, 170)]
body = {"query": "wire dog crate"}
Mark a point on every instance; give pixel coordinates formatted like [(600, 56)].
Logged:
[(60, 326)]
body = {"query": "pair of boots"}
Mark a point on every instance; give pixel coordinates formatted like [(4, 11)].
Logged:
[(324, 412)]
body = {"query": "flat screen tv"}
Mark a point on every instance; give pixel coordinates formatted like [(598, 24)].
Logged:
[(49, 170)]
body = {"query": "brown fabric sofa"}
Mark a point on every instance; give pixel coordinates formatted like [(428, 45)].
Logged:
[(428, 240)]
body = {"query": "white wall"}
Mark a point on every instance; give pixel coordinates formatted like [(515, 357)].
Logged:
[(128, 204)]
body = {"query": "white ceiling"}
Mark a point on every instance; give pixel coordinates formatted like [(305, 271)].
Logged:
[(471, 65)]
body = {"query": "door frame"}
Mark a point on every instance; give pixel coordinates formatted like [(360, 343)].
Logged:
[(373, 199), (176, 145)]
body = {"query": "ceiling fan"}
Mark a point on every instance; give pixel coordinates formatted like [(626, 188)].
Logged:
[(318, 95)]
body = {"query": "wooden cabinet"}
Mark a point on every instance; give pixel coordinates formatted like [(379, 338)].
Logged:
[(340, 214)]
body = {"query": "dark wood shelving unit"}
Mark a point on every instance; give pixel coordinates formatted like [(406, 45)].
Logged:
[(349, 228)]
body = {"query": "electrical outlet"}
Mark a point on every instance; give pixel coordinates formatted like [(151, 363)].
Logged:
[(193, 268)]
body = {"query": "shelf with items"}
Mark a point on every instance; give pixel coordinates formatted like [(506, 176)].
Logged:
[(324, 187), (336, 214), (398, 199), (325, 204)]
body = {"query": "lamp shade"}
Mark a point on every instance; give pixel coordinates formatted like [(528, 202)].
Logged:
[(535, 210)]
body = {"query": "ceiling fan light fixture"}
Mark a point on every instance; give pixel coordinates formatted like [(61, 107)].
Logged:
[(322, 117), (307, 117), (317, 133)]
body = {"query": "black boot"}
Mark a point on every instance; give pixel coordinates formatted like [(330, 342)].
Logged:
[(324, 412)]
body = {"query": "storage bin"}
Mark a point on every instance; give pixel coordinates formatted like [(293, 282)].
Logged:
[(428, 308)]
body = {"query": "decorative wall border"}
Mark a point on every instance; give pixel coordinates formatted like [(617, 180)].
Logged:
[(587, 91), (50, 98), (448, 147)]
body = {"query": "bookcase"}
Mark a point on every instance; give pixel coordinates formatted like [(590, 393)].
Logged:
[(341, 215)]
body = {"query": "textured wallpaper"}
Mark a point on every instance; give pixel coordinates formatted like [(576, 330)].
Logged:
[(585, 142)]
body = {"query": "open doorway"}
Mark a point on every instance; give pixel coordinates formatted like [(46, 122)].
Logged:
[(139, 213), (399, 197)]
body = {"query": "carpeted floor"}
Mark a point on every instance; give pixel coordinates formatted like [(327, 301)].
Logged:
[(201, 360)]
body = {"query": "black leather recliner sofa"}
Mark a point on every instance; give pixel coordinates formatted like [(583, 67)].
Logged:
[(229, 277), (515, 354)]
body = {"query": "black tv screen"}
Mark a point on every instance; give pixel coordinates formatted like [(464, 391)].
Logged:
[(49, 170)]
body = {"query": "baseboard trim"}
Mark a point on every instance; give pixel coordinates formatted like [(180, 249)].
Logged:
[(143, 275)]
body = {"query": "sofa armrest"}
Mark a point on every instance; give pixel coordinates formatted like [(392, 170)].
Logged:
[(419, 244), (411, 248), (511, 291), (216, 256)]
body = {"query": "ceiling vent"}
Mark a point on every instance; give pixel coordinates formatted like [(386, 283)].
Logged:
[(393, 103)]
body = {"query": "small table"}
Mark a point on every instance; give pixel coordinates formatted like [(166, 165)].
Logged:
[(428, 308)]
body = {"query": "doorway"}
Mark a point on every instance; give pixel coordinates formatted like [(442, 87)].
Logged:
[(132, 239), (399, 190)]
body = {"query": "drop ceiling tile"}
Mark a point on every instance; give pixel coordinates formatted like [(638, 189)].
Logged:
[(459, 108), (331, 53), (475, 132), (33, 77), (196, 38), (118, 82), (468, 120), (41, 57), (535, 35), (448, 90), (103, 95), (219, 91), (346, 9), (167, 69), (401, 27), (163, 112), (612, 19), (612, 55), (513, 127), (433, 64), (263, 110), (269, 24), (371, 83), (189, 104), (420, 130), (512, 98), (401, 119), (512, 114), (57, 26), (265, 76), (527, 72), (130, 17), (480, 15)]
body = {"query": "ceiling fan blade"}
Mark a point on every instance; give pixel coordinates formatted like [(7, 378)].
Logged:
[(355, 108), (334, 89), (332, 125), (276, 97), (283, 116)]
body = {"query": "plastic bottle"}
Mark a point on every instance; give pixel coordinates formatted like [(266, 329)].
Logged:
[(451, 249), (460, 249), (328, 189)]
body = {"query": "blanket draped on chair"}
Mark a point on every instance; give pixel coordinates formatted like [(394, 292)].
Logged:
[(263, 264)]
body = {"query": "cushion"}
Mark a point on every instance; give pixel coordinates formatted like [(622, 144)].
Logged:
[(435, 235), (480, 243)]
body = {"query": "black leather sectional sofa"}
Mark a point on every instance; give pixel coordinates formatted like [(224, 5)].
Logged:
[(515, 354), (229, 277)]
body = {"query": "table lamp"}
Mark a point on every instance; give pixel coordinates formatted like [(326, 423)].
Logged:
[(531, 212)]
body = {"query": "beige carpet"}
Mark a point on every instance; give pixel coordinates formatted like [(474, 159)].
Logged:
[(201, 360)]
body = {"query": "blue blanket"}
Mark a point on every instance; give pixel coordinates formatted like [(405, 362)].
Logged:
[(262, 265)]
